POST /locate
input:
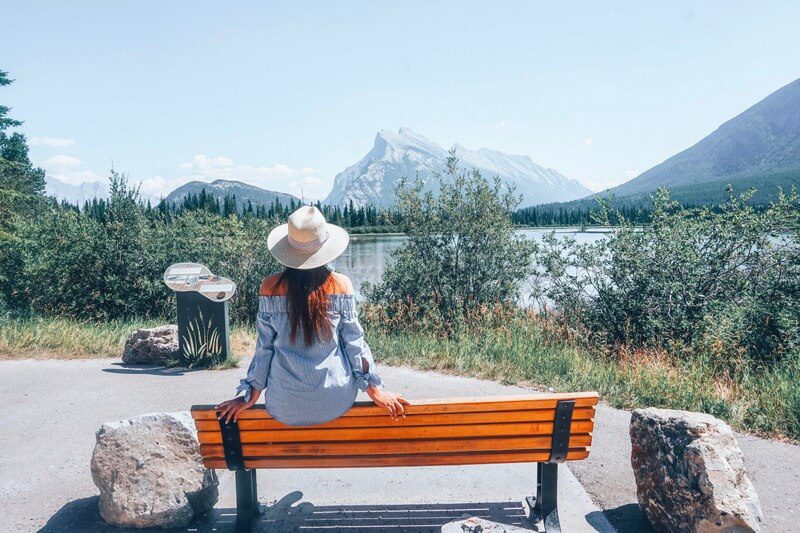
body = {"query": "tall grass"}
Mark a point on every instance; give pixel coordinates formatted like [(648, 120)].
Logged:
[(521, 350), (66, 338), (528, 352)]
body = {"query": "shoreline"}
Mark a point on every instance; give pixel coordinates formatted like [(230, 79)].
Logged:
[(557, 229)]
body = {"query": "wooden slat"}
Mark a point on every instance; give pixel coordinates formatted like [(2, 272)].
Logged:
[(396, 447), (583, 413), (448, 405), (360, 461), (396, 433)]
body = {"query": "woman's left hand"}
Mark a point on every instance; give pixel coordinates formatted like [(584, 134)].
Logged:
[(394, 403)]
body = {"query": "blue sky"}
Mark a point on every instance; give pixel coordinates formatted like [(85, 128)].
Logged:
[(287, 95)]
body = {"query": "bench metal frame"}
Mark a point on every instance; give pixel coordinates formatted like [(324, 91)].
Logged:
[(543, 506)]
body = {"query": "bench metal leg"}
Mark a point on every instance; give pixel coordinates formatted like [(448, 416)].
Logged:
[(545, 505), (247, 507)]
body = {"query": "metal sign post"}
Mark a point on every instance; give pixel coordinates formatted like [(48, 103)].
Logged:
[(203, 331)]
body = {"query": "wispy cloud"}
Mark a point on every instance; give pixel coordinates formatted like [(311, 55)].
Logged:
[(503, 124), (68, 169), (51, 141), (588, 141), (308, 188), (279, 176)]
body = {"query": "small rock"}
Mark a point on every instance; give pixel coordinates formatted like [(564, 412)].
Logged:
[(150, 473), (690, 473), (479, 525), (154, 345)]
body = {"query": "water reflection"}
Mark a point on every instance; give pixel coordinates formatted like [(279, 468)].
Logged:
[(366, 257)]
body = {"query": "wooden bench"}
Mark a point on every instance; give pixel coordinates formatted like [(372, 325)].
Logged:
[(545, 429)]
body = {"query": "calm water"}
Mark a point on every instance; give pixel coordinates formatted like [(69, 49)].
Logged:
[(367, 255)]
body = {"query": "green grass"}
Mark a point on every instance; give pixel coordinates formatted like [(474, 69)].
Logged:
[(65, 338), (525, 352)]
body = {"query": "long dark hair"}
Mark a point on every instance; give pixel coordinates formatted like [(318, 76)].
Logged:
[(307, 302)]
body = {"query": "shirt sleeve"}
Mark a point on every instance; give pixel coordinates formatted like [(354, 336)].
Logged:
[(355, 347), (258, 371)]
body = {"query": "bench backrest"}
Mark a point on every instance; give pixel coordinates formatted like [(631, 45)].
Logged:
[(511, 429)]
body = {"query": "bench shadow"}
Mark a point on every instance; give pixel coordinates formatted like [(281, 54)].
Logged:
[(154, 370), (290, 514)]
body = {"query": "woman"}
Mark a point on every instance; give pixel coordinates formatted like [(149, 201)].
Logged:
[(311, 356)]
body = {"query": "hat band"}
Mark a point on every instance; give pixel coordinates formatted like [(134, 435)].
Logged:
[(308, 246)]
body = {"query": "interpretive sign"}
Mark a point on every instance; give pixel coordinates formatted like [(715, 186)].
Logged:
[(203, 332)]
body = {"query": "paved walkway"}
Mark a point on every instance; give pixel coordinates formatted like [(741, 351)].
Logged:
[(51, 409)]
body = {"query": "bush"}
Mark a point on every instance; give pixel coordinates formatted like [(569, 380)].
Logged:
[(109, 264), (726, 279), (462, 253)]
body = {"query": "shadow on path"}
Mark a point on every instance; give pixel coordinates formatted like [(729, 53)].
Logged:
[(629, 518), (154, 370), (288, 515)]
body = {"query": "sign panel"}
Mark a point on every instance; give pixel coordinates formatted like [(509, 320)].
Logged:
[(203, 331), (185, 277)]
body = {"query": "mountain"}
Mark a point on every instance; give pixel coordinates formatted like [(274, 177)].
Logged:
[(372, 181), (221, 188), (758, 148), (76, 194), (86, 191)]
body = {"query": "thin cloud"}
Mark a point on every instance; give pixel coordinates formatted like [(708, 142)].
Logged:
[(51, 141), (588, 141), (309, 189), (277, 177), (503, 124), (68, 169)]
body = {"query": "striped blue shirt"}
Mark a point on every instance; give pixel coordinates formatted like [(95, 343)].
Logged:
[(307, 385)]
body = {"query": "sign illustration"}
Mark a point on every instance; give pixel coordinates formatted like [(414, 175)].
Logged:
[(203, 332)]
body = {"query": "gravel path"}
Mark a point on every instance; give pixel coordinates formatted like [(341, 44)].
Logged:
[(51, 410)]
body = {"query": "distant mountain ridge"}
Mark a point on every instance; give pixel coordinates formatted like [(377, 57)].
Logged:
[(406, 154), (758, 148), (76, 194), (85, 192), (220, 188)]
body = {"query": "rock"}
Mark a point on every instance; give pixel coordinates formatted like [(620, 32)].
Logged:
[(150, 473), (690, 473), (155, 345), (479, 525)]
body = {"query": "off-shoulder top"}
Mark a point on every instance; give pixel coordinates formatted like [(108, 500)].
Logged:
[(306, 385)]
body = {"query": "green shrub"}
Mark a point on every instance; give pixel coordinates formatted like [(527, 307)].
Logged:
[(462, 253), (727, 279), (109, 265)]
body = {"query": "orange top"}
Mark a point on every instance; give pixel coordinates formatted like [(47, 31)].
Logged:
[(335, 284)]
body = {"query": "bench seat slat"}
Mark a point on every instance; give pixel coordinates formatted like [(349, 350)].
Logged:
[(365, 461), (395, 447), (396, 433), (583, 413), (457, 405)]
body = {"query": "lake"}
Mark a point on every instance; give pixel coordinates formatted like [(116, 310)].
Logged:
[(366, 257)]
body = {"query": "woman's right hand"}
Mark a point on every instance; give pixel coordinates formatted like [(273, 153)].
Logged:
[(394, 403), (231, 409)]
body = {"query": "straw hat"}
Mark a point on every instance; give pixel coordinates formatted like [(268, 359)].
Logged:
[(307, 241)]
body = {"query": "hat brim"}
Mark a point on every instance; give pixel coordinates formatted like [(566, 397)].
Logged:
[(285, 254)]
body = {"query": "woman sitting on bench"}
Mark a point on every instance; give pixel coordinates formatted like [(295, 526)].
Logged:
[(311, 356)]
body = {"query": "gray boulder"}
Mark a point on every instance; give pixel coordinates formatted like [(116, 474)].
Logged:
[(154, 345), (690, 473), (150, 473)]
